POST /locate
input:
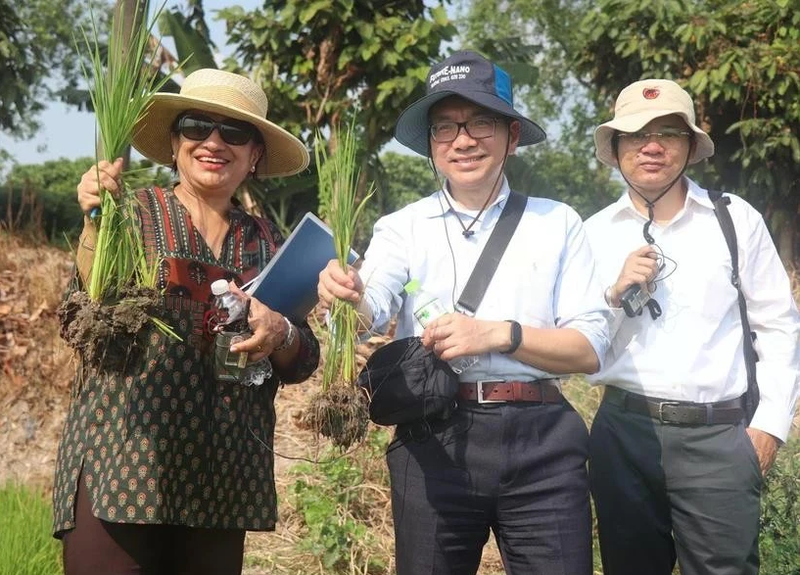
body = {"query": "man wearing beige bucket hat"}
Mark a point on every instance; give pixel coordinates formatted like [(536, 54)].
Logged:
[(675, 463), (163, 467)]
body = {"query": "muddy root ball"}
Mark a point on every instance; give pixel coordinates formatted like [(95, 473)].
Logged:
[(340, 413)]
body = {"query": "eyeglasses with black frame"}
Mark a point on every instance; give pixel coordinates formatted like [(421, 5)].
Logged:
[(198, 127), (478, 128), (664, 137)]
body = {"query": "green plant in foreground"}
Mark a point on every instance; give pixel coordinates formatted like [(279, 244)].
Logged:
[(26, 545), (122, 87), (121, 90), (336, 501), (338, 189)]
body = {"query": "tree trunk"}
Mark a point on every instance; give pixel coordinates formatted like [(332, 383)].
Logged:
[(128, 15)]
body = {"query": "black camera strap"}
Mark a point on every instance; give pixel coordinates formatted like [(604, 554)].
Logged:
[(752, 396), (492, 253)]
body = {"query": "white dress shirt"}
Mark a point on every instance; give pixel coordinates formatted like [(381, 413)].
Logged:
[(545, 279), (693, 352)]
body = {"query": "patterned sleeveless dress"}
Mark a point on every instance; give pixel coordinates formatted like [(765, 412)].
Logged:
[(164, 442)]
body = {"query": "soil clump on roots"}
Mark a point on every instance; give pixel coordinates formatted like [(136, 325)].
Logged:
[(107, 334), (340, 413)]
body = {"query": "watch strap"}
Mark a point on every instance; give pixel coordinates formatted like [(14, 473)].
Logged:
[(516, 337)]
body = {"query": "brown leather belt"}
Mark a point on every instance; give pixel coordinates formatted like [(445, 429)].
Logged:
[(677, 412), (499, 390)]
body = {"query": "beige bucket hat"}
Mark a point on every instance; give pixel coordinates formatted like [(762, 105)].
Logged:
[(231, 95), (639, 104)]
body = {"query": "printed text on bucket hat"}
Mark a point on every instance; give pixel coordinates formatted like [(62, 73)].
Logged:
[(472, 77)]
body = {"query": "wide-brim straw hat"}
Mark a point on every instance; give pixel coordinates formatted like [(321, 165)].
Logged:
[(227, 94), (639, 104), (470, 76)]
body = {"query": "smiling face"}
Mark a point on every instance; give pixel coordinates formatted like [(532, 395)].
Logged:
[(471, 166), (651, 163), (211, 166)]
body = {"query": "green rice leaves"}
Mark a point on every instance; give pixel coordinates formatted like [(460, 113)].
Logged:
[(122, 81), (339, 204)]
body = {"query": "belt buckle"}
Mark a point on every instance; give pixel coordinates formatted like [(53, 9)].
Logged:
[(480, 383), (661, 405)]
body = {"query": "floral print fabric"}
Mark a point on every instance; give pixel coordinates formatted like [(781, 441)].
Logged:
[(164, 442)]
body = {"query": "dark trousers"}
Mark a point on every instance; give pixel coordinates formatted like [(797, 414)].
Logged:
[(666, 492), (96, 547), (516, 469)]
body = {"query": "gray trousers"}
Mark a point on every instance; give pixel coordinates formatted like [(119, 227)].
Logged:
[(666, 492)]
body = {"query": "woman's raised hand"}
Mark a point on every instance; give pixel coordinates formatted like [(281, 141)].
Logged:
[(104, 175)]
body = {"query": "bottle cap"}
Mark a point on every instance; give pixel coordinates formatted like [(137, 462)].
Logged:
[(412, 287), (219, 287)]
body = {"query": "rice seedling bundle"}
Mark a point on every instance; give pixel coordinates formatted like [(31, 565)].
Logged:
[(340, 411), (121, 87), (103, 323)]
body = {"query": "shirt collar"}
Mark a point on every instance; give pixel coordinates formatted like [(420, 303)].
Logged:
[(694, 194), (698, 195), (435, 205)]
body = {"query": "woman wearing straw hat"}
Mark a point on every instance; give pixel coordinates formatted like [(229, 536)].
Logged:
[(162, 469)]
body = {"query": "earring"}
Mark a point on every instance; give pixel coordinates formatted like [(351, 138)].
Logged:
[(253, 170), (173, 158)]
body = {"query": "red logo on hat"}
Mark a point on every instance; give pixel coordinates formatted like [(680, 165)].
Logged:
[(650, 93)]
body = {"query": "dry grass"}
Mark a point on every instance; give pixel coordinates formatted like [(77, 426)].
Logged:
[(35, 366)]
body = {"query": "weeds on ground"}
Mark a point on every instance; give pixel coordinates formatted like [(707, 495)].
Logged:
[(26, 545), (342, 503)]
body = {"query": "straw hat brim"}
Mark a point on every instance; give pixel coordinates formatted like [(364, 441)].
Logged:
[(284, 154), (603, 135), (411, 129)]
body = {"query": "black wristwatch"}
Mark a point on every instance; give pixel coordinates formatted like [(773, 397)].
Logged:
[(516, 336)]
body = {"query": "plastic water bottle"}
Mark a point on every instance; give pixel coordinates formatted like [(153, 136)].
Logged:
[(427, 307), (230, 309), (230, 319)]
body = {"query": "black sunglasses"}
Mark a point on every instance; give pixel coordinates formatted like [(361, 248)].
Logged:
[(198, 128)]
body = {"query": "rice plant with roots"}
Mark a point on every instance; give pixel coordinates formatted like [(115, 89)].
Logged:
[(120, 294), (340, 410)]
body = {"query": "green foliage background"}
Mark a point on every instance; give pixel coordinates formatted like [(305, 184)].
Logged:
[(41, 199), (38, 59)]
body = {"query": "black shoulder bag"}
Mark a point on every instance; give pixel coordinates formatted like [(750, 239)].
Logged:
[(750, 356), (406, 382)]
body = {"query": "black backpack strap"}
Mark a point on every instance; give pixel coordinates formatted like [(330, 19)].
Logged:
[(492, 253), (721, 203)]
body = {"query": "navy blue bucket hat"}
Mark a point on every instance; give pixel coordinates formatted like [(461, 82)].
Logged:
[(472, 77)]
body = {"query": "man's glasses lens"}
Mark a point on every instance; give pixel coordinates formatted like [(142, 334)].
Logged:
[(477, 128), (662, 137), (199, 128)]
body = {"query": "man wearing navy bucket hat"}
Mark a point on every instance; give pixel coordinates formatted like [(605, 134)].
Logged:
[(511, 459)]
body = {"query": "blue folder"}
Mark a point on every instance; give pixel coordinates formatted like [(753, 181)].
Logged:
[(288, 284)]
